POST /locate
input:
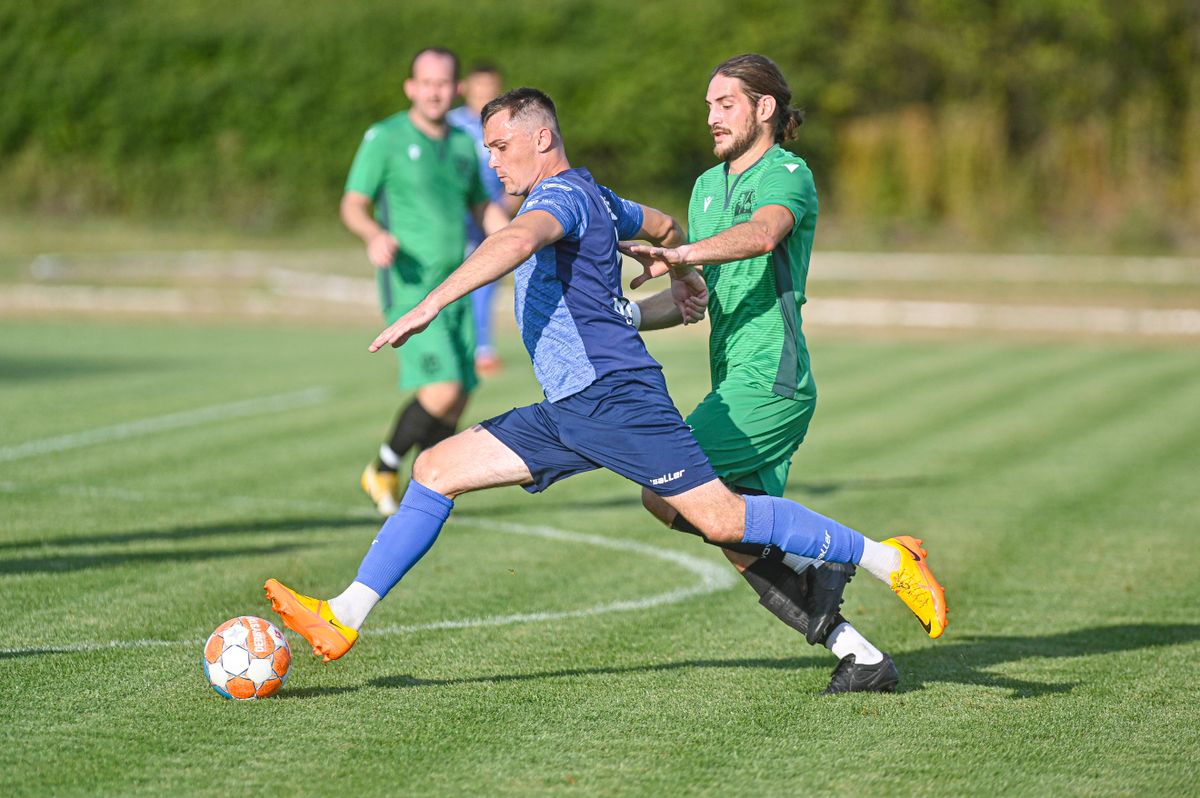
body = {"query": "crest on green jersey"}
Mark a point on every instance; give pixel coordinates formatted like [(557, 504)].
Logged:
[(745, 203)]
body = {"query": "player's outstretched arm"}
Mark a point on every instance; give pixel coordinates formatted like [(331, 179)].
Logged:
[(498, 255), (660, 229), (768, 226)]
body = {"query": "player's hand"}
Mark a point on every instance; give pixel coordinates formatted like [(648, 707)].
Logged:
[(408, 325), (690, 294), (382, 249), (651, 266)]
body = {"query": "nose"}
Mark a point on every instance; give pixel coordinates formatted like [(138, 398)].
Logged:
[(714, 115)]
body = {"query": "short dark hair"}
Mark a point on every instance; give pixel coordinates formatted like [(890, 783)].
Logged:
[(760, 76), (522, 102), (436, 51), (483, 68)]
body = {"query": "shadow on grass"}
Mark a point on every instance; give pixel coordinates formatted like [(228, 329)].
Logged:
[(882, 483), (959, 662), (79, 562), (26, 369), (190, 532)]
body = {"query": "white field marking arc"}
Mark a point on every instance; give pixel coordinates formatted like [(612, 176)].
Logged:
[(172, 421), (713, 577)]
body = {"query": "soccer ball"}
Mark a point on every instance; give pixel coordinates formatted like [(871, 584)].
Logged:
[(246, 658)]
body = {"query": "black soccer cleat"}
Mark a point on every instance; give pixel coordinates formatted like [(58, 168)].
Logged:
[(824, 598), (850, 677)]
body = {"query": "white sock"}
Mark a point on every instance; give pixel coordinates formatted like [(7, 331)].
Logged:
[(355, 603), (879, 560), (845, 640), (388, 457)]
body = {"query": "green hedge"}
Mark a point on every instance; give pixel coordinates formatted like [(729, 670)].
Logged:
[(1057, 116)]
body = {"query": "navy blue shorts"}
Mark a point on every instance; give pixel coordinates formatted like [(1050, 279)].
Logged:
[(624, 421)]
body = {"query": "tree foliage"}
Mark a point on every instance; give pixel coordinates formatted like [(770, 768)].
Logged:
[(1047, 115)]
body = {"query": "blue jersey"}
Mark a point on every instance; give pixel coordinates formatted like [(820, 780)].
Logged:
[(570, 309), (467, 120)]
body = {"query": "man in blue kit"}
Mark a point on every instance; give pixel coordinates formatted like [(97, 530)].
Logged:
[(606, 402)]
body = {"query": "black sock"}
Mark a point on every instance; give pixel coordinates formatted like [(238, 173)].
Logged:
[(413, 425), (782, 591), (438, 431)]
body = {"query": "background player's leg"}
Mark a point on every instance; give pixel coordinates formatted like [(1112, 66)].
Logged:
[(486, 360), (796, 599)]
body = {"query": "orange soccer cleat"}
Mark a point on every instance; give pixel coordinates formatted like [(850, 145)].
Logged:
[(916, 586), (312, 619)]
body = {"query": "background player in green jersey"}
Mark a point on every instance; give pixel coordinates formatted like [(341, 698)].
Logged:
[(412, 181), (751, 221)]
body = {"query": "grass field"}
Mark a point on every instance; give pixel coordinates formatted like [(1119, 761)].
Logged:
[(153, 474)]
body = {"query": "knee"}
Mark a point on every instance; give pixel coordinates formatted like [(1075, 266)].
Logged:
[(427, 470), (657, 507)]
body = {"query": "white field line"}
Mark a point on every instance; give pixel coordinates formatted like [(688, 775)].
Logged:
[(712, 577), (173, 421)]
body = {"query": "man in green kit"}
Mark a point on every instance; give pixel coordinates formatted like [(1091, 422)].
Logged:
[(751, 222), (412, 181)]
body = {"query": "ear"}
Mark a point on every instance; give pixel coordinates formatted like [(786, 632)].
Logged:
[(543, 139), (462, 88), (766, 107), (410, 88)]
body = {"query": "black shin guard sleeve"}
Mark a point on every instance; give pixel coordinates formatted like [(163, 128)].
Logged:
[(438, 432), (413, 425), (781, 590)]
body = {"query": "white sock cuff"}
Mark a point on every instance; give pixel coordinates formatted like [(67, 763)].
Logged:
[(388, 457)]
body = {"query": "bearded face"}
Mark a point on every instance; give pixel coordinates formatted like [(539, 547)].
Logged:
[(732, 118)]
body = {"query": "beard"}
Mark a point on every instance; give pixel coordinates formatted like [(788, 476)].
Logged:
[(742, 141)]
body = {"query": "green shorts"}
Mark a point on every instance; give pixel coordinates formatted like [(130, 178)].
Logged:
[(444, 351), (750, 434)]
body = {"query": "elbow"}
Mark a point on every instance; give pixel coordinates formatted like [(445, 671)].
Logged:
[(764, 242), (523, 243)]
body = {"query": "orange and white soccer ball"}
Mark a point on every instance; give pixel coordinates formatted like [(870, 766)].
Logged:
[(247, 658)]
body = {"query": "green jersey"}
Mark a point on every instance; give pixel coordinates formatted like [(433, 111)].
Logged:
[(422, 189), (754, 304)]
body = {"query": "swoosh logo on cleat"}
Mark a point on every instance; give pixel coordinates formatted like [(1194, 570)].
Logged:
[(925, 624)]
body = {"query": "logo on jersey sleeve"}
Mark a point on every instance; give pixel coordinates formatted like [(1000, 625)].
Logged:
[(707, 202), (791, 167), (414, 152)]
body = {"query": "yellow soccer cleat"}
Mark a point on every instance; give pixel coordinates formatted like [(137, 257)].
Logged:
[(916, 586), (383, 487), (311, 619)]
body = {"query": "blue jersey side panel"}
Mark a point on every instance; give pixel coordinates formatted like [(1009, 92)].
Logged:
[(569, 302)]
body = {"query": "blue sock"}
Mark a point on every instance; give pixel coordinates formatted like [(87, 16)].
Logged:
[(798, 530), (404, 538)]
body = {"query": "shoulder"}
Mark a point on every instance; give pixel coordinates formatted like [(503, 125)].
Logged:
[(389, 128), (460, 139), (786, 166)]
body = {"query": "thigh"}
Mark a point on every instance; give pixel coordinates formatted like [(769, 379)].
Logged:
[(533, 433), (474, 459)]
